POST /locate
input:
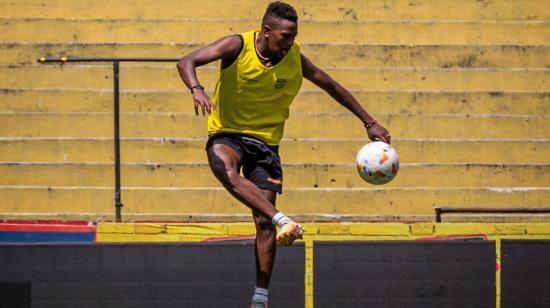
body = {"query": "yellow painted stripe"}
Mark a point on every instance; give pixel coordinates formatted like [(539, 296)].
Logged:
[(328, 231), (309, 272), (498, 271)]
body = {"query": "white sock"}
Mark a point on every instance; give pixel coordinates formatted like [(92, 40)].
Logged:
[(260, 295), (280, 219)]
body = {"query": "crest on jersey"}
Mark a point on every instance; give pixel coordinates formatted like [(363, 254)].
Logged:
[(279, 83)]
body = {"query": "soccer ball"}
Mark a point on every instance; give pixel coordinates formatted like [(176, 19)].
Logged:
[(377, 163)]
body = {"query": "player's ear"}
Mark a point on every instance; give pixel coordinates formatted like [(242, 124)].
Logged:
[(266, 30)]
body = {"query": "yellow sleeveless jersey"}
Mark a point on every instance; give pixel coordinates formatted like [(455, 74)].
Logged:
[(253, 99)]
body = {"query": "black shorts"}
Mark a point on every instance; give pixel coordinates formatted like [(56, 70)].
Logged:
[(260, 162)]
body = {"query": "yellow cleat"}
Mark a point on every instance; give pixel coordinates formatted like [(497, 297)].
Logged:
[(289, 233)]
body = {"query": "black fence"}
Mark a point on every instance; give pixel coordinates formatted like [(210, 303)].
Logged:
[(382, 274)]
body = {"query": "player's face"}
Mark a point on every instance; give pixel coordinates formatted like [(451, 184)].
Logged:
[(281, 37)]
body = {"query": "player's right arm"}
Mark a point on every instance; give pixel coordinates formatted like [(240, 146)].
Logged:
[(227, 49), (320, 78)]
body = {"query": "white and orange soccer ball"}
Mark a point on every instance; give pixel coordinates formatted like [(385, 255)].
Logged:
[(377, 163)]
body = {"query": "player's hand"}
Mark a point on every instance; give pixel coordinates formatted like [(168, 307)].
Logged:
[(379, 133), (203, 102)]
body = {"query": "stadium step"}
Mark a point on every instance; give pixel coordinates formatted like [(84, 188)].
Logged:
[(324, 55), (306, 9), (207, 30), (300, 125), (342, 175), (166, 77), (79, 100), (305, 151), (178, 202)]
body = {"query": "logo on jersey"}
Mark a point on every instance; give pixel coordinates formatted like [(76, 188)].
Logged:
[(279, 83)]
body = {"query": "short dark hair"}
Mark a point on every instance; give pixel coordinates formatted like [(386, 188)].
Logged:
[(281, 10)]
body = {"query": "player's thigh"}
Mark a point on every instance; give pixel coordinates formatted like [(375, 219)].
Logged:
[(224, 161), (270, 195)]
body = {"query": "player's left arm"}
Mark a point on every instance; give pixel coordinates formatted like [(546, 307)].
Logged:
[(321, 79)]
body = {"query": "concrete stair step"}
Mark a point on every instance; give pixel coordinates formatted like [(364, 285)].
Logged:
[(94, 201), (163, 77), (300, 125), (306, 9), (72, 30), (308, 151), (326, 55), (89, 100), (342, 175)]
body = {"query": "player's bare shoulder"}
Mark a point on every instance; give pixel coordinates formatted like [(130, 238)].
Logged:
[(226, 48), (229, 47)]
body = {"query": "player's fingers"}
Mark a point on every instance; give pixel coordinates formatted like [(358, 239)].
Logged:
[(381, 137), (196, 108), (209, 107), (388, 137)]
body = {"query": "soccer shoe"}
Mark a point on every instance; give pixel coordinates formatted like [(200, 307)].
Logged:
[(289, 233)]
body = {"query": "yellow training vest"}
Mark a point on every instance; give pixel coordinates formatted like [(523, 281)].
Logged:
[(253, 99)]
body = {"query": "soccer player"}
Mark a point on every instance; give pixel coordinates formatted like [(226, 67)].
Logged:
[(260, 73)]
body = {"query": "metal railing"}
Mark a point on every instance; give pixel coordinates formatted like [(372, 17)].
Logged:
[(116, 105), (116, 109)]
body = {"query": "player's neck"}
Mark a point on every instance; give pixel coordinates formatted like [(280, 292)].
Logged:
[(260, 45)]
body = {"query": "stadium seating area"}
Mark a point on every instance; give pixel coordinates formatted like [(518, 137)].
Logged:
[(463, 87)]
